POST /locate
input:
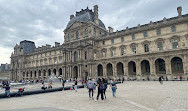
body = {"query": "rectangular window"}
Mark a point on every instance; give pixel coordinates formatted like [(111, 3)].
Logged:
[(85, 55), (134, 49), (158, 31), (146, 47), (122, 51), (112, 41), (173, 28), (145, 34), (160, 46), (103, 42), (122, 39), (68, 37), (175, 44), (112, 53), (133, 36)]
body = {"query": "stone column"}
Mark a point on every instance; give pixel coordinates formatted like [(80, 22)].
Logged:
[(168, 68), (114, 70), (104, 70), (42, 74), (138, 70), (152, 69), (125, 69), (185, 68)]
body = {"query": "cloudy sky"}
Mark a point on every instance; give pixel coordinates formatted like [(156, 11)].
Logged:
[(43, 21)]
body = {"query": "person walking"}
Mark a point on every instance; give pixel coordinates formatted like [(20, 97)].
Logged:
[(114, 87), (75, 85), (160, 80), (101, 87), (105, 85), (63, 84), (7, 90), (90, 86)]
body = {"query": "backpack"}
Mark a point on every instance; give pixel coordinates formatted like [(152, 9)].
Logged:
[(102, 87)]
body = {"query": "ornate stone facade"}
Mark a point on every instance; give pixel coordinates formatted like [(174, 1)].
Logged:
[(90, 50)]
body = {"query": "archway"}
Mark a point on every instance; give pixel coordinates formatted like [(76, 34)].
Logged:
[(44, 73), (132, 68), (35, 74), (27, 75), (75, 72), (160, 66), (109, 69), (39, 73), (54, 71), (120, 70), (31, 74), (145, 67), (60, 71), (100, 70), (49, 72), (177, 66)]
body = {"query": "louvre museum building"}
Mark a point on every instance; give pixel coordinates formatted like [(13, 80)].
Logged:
[(91, 50)]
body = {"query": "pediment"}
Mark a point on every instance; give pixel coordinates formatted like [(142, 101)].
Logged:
[(76, 24)]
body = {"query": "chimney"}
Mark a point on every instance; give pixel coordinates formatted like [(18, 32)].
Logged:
[(71, 16), (96, 16), (57, 44), (179, 10), (110, 29)]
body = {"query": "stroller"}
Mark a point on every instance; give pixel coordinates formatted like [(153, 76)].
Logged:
[(20, 92)]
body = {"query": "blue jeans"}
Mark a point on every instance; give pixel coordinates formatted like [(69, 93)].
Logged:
[(114, 91), (7, 92)]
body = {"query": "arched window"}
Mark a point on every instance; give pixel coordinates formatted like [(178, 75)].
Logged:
[(77, 35), (86, 32), (75, 56)]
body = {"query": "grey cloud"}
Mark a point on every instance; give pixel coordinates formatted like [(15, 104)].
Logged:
[(43, 21)]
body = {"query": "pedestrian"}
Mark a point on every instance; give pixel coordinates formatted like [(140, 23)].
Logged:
[(114, 87), (43, 87), (160, 80), (101, 87), (7, 90), (90, 86), (75, 85), (63, 84), (106, 85)]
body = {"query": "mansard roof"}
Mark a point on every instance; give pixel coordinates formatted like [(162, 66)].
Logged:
[(84, 16)]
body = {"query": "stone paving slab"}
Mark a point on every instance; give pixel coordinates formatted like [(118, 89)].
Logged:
[(131, 96)]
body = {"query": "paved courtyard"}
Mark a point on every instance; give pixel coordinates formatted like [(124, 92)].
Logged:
[(131, 96)]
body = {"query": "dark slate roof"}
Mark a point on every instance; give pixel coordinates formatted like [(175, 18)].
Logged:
[(27, 46), (85, 16)]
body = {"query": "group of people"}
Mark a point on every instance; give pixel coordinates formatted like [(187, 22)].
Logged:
[(101, 86), (44, 87)]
